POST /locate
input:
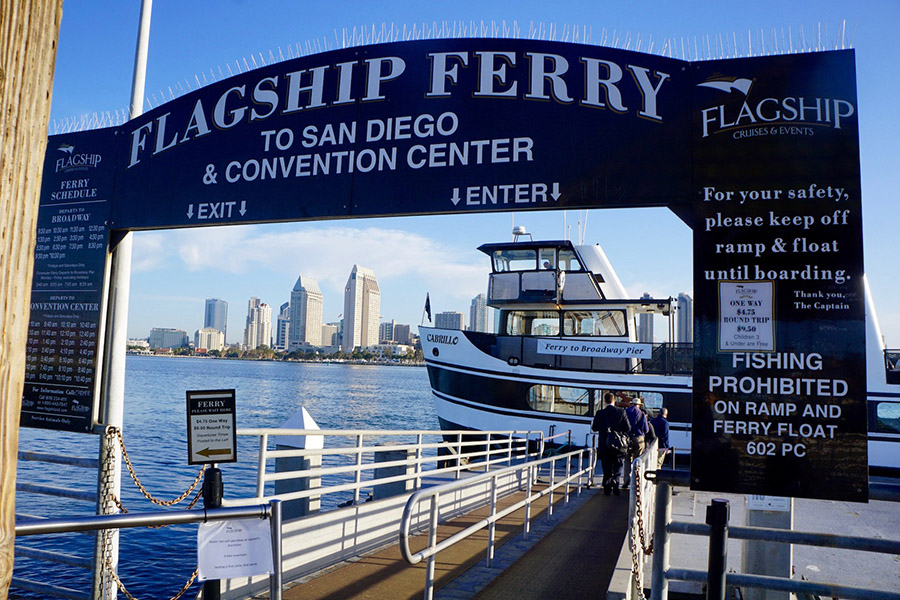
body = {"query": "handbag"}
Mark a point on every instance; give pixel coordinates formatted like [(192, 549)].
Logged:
[(617, 442)]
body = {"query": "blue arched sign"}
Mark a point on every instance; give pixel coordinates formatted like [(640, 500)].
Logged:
[(759, 155)]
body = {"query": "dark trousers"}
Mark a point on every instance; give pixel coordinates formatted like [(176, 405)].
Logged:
[(613, 465)]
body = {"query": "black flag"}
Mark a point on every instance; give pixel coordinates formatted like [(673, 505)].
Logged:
[(428, 306)]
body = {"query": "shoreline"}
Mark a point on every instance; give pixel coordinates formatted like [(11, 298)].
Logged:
[(336, 361)]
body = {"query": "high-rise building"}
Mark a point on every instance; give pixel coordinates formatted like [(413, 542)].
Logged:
[(258, 331), (479, 314), (362, 305), (386, 331), (209, 338), (645, 324), (684, 324), (283, 326), (401, 333), (166, 337), (450, 320), (306, 314), (330, 335), (216, 315)]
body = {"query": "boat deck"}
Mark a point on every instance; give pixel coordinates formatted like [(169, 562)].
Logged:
[(571, 555)]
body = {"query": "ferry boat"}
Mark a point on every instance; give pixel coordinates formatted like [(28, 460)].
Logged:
[(567, 333)]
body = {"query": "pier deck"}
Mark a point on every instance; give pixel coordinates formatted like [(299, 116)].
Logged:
[(572, 555)]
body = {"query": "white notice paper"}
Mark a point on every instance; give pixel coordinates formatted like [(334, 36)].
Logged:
[(238, 548), (746, 316)]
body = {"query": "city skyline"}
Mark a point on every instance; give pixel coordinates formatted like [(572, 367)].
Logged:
[(305, 293), (174, 271)]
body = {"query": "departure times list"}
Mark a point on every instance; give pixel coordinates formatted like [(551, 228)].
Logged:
[(67, 286)]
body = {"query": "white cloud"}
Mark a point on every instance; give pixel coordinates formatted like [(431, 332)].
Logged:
[(405, 263)]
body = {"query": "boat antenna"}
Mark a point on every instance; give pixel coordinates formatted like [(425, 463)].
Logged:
[(584, 229)]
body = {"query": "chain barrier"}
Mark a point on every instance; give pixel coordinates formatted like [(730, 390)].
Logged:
[(639, 512), (643, 548), (108, 575), (128, 594), (107, 535), (111, 431)]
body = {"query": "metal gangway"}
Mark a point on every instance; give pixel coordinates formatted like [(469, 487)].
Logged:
[(339, 480)]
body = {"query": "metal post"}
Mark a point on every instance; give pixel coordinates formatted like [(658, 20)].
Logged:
[(527, 529), (358, 475), (458, 454), (552, 464), (659, 585), (212, 498), (492, 526), (418, 461), (432, 542), (275, 580), (115, 337), (261, 466), (717, 519)]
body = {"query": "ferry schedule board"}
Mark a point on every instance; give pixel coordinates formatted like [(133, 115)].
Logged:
[(212, 436), (62, 350), (779, 388)]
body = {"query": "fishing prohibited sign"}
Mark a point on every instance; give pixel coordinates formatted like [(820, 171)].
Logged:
[(211, 426)]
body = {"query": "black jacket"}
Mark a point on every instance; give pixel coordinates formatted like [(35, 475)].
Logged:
[(611, 418)]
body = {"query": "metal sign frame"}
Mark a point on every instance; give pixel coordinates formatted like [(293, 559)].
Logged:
[(759, 155)]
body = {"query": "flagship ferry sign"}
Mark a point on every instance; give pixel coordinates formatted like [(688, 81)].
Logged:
[(759, 155)]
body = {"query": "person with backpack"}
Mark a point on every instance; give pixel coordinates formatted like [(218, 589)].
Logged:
[(608, 422), (638, 426)]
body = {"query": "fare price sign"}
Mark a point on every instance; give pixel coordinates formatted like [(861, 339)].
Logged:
[(211, 426)]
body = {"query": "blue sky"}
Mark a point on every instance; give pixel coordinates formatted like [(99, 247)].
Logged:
[(174, 271)]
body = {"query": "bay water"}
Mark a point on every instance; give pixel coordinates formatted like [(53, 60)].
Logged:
[(155, 563)]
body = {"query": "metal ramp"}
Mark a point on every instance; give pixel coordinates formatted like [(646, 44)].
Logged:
[(572, 555)]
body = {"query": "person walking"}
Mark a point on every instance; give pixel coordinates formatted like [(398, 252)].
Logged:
[(638, 427), (661, 427), (610, 419)]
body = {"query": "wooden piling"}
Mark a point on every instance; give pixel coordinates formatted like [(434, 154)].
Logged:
[(29, 30)]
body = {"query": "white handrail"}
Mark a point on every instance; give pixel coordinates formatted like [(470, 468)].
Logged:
[(352, 467), (433, 494)]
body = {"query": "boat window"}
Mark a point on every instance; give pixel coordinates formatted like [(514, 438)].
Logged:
[(547, 258), (523, 259), (887, 417), (594, 322), (651, 401), (559, 399), (568, 261), (532, 322)]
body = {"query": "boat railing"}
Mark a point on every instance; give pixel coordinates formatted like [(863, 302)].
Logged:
[(666, 359), (575, 470), (345, 467)]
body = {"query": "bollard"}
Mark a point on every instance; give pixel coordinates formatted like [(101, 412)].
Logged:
[(212, 498), (717, 519)]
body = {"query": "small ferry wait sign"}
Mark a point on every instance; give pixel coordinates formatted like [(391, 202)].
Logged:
[(211, 426)]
